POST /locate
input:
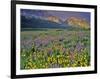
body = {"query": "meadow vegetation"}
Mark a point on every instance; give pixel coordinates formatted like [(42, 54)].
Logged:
[(54, 48)]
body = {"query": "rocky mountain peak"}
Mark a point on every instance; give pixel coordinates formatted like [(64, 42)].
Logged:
[(78, 22), (54, 19)]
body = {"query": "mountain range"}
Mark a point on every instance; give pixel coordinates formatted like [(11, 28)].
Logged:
[(53, 22)]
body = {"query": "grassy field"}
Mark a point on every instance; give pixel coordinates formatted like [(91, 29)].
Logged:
[(54, 48)]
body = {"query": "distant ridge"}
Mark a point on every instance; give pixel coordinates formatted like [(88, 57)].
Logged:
[(53, 22)]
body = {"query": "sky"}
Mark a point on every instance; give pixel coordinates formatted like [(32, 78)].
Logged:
[(63, 15)]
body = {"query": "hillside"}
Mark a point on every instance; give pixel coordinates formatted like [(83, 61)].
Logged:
[(77, 22)]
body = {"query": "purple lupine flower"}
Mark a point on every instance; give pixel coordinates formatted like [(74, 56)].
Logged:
[(26, 44), (64, 50), (50, 52), (79, 47)]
